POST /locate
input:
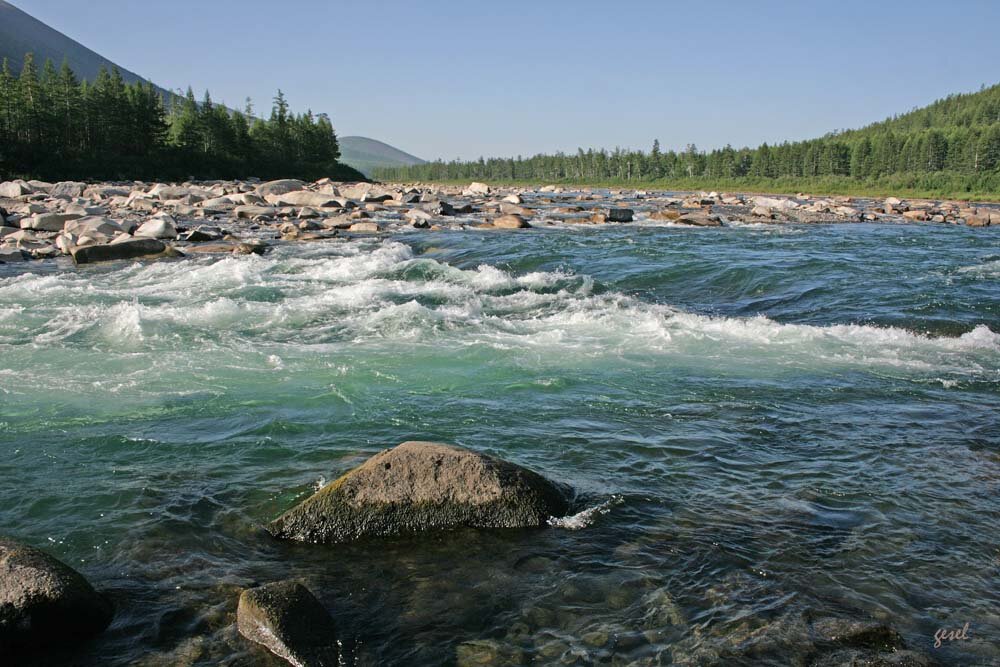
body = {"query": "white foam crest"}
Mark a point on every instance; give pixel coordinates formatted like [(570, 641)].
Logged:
[(587, 517), (985, 270)]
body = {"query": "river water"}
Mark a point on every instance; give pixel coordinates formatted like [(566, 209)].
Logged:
[(763, 423)]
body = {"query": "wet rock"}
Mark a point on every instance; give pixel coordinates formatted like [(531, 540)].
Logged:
[(699, 219), (421, 486), (419, 218), (12, 255), (978, 220), (916, 216), (762, 212), (513, 209), (665, 215), (44, 601), (129, 249), (513, 199), (289, 621), (364, 227), (510, 222), (202, 233), (620, 215)]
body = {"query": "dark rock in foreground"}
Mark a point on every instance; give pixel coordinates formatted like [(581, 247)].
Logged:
[(124, 250), (420, 486), (285, 618), (44, 602)]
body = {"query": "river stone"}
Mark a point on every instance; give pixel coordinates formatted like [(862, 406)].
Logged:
[(68, 189), (620, 214), (280, 187), (421, 486), (158, 228), (12, 189), (44, 601), (253, 211), (129, 249), (699, 219), (511, 222), (289, 621), (49, 222), (11, 255)]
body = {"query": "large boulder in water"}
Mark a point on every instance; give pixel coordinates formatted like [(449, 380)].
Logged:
[(290, 622), (125, 249), (421, 486), (44, 602)]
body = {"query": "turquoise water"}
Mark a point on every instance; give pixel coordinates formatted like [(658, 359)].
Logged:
[(762, 421)]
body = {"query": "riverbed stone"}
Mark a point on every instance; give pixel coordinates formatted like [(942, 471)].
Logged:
[(128, 249), (160, 227), (620, 214), (288, 620), (699, 219), (45, 602), (511, 221), (279, 187), (68, 189), (13, 189), (49, 222), (11, 255), (420, 486)]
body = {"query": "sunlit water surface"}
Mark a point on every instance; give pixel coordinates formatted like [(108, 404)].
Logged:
[(762, 422)]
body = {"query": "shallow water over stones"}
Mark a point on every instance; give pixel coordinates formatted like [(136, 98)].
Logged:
[(781, 424)]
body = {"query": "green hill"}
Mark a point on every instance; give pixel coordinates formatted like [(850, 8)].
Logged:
[(948, 148), (366, 154)]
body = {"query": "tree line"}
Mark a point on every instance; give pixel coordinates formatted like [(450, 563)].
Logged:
[(56, 127), (956, 136)]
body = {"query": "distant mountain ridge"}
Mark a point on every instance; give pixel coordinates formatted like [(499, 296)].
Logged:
[(21, 33), (366, 154)]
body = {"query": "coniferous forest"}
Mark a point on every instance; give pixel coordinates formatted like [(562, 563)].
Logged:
[(56, 127), (952, 145)]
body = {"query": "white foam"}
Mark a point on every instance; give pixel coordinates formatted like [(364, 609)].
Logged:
[(587, 517)]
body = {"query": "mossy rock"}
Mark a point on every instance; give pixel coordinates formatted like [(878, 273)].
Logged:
[(420, 486)]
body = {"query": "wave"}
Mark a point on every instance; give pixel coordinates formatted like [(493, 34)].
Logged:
[(586, 517), (379, 294)]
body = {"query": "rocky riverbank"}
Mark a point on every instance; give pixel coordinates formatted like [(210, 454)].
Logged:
[(99, 222)]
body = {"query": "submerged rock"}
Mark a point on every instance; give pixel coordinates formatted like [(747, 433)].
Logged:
[(420, 486), (289, 621), (44, 602)]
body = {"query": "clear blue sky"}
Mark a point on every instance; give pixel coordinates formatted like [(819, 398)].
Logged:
[(464, 79)]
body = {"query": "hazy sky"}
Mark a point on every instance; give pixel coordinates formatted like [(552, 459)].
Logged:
[(464, 79)]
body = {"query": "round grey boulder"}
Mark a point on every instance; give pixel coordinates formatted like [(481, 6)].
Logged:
[(420, 486), (44, 602)]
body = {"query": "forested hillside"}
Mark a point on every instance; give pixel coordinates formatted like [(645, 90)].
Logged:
[(952, 144), (54, 126)]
